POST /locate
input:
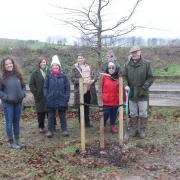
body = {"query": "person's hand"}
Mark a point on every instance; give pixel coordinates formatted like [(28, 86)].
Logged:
[(141, 92), (127, 88), (90, 82), (85, 82), (5, 98)]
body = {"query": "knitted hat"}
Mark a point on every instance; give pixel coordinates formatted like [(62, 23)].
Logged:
[(55, 60)]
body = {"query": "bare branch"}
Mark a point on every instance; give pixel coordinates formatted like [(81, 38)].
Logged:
[(89, 22), (88, 15), (124, 19), (106, 4)]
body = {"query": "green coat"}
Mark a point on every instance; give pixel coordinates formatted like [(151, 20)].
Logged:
[(36, 84), (139, 78)]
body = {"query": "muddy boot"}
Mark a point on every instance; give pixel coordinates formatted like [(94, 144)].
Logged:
[(65, 133), (49, 134), (143, 124), (113, 129), (17, 141), (133, 123), (13, 145)]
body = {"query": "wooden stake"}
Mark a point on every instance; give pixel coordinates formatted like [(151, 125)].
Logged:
[(101, 125), (121, 121), (82, 124)]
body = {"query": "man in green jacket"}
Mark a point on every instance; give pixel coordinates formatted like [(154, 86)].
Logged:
[(139, 77)]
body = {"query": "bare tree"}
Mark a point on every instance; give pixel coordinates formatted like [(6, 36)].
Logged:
[(91, 23)]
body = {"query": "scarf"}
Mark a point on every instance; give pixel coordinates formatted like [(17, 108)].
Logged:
[(85, 72), (44, 71), (56, 73)]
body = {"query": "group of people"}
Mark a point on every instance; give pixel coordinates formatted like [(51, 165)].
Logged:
[(51, 90)]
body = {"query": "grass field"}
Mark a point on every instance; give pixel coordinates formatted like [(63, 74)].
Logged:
[(156, 157), (168, 70)]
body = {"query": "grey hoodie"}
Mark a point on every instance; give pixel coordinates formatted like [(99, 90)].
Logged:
[(11, 90)]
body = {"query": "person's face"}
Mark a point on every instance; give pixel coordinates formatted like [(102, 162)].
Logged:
[(111, 69), (136, 55), (8, 65), (80, 60), (42, 64), (55, 67)]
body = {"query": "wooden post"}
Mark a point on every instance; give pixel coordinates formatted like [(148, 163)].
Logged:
[(82, 124), (121, 121), (101, 125)]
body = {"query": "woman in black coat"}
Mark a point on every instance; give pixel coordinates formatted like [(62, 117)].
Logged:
[(36, 86)]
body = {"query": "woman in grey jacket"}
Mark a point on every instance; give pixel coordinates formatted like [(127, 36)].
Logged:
[(12, 93)]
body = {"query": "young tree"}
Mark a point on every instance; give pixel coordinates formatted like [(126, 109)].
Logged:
[(91, 23)]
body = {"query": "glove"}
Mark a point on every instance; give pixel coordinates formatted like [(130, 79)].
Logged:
[(141, 92), (5, 98), (127, 88)]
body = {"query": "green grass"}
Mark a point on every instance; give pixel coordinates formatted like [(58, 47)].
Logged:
[(71, 149), (7, 44), (165, 113), (169, 70)]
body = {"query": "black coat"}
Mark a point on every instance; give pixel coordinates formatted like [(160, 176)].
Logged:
[(36, 85)]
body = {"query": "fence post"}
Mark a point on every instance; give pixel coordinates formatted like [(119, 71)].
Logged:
[(101, 125), (82, 124), (121, 121)]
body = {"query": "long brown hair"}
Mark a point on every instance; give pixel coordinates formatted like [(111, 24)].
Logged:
[(17, 71), (40, 59)]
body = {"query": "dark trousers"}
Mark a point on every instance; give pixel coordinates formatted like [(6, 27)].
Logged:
[(41, 119), (87, 100), (51, 117), (110, 111)]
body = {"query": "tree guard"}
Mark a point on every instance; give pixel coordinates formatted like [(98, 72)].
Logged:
[(121, 121), (82, 123), (101, 125)]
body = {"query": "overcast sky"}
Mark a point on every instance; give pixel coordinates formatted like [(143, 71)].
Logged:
[(28, 19)]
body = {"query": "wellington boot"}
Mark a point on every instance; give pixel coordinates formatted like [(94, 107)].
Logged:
[(143, 125), (17, 142), (133, 123), (113, 129), (15, 146), (142, 134), (49, 134)]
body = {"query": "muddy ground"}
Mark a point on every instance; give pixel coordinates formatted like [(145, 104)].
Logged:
[(156, 157)]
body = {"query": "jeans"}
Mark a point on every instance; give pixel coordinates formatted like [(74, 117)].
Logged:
[(12, 114), (110, 111), (52, 116)]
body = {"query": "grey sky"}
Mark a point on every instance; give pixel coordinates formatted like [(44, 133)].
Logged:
[(27, 19)]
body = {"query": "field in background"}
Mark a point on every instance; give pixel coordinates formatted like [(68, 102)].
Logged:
[(164, 60)]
